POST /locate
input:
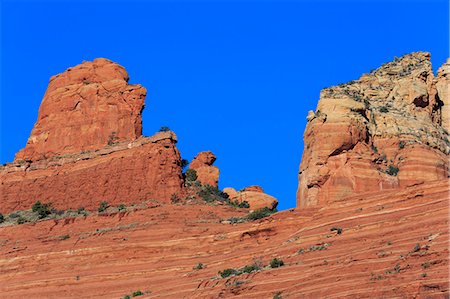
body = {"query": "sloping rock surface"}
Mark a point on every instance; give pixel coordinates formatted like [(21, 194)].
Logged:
[(392, 244)]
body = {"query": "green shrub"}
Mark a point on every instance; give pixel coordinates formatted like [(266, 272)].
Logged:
[(277, 295), (103, 206), (2, 218), (126, 297), (175, 198), (164, 129), (121, 207), (199, 266), (82, 211), (228, 272), (21, 220), (242, 205), (14, 215), (402, 144), (261, 213), (384, 109), (392, 170), (43, 210), (184, 163), (336, 229), (112, 138), (137, 293), (250, 268), (210, 194), (276, 263), (190, 175)]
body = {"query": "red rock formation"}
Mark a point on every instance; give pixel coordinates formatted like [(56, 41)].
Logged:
[(392, 244), (86, 146), (380, 132), (255, 197), (128, 173), (85, 108), (207, 174)]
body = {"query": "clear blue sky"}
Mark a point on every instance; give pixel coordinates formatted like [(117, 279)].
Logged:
[(233, 77)]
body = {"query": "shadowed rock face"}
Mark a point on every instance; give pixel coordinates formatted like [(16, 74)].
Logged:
[(383, 131), (85, 108)]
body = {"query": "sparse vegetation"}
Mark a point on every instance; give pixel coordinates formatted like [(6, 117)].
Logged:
[(190, 175), (184, 163), (256, 266), (277, 295), (137, 293), (164, 129), (276, 263), (374, 148), (416, 248), (82, 211), (121, 207), (426, 265), (384, 109), (175, 198), (112, 138), (402, 144), (228, 272), (21, 220), (261, 213), (392, 170), (395, 270), (2, 218), (199, 266), (210, 194), (103, 206), (64, 237), (43, 210), (338, 230), (134, 294), (241, 205)]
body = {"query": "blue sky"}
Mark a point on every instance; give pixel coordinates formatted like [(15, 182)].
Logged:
[(233, 77)]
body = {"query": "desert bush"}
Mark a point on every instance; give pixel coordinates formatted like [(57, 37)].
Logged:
[(237, 204), (228, 272), (21, 220), (103, 206), (184, 163), (210, 194), (190, 175), (199, 266), (43, 210), (384, 109), (175, 198), (121, 207), (164, 129), (261, 213), (250, 268), (276, 263), (392, 170), (138, 293), (336, 229), (2, 218)]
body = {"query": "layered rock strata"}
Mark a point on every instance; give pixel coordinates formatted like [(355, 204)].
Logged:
[(383, 131), (85, 108), (125, 173)]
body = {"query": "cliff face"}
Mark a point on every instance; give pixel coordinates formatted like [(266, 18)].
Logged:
[(85, 108), (86, 146), (126, 173), (383, 131)]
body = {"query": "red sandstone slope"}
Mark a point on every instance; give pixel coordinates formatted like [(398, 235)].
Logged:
[(155, 250)]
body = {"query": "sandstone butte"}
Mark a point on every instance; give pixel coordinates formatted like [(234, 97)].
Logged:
[(387, 130), (358, 232)]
